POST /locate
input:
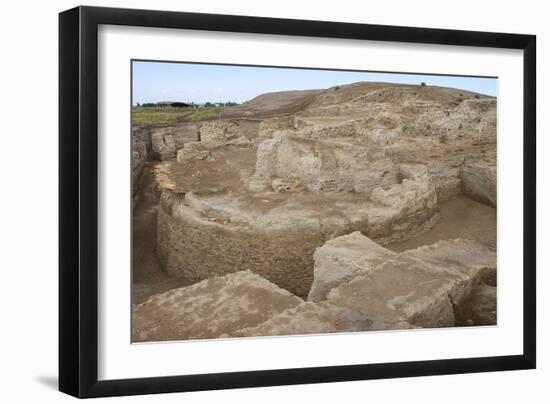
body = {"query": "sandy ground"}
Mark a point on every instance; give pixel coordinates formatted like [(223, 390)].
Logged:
[(461, 217)]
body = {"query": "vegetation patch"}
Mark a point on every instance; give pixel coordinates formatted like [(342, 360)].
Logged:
[(158, 116), (202, 114)]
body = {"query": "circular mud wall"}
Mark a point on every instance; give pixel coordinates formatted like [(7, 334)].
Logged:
[(194, 248), (195, 244)]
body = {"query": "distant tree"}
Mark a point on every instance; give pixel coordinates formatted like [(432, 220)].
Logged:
[(423, 84), (138, 104), (179, 104)]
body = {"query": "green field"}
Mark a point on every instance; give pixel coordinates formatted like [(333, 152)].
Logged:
[(203, 113), (161, 116), (157, 116)]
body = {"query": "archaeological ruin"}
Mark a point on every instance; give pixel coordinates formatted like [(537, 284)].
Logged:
[(362, 207)]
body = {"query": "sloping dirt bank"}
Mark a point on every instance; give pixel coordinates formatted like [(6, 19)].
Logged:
[(147, 276), (460, 217)]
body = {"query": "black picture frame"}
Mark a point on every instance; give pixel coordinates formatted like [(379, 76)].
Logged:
[(78, 201)]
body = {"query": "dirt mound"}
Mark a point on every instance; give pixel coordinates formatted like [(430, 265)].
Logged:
[(368, 92), (349, 98), (271, 104)]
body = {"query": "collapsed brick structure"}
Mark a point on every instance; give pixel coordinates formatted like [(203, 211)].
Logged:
[(364, 288), (263, 189)]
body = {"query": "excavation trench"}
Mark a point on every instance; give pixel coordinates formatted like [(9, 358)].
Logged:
[(251, 195), (459, 217)]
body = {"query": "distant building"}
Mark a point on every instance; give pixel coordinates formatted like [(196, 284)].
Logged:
[(172, 104)]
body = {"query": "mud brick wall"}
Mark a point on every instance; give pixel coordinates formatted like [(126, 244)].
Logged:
[(198, 249), (194, 247)]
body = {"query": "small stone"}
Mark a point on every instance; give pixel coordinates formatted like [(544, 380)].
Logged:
[(285, 184)]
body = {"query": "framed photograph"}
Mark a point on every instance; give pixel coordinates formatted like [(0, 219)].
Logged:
[(251, 201)]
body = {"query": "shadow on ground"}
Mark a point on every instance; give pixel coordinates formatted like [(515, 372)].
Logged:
[(48, 381)]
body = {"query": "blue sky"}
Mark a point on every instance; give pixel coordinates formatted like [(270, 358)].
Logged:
[(185, 82)]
